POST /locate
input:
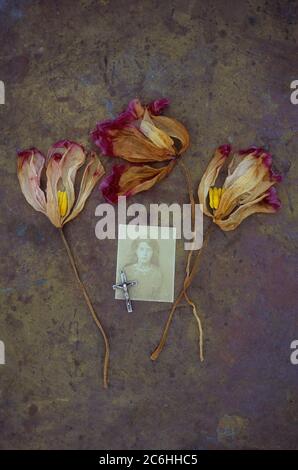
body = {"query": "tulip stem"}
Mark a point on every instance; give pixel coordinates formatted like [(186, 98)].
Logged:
[(190, 190), (187, 270), (187, 281), (91, 308)]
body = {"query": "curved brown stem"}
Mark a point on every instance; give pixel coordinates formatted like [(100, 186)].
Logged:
[(198, 320), (190, 190), (187, 269), (187, 281), (91, 308)]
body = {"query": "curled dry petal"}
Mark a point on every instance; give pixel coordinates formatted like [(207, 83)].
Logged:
[(106, 131), (110, 184), (53, 176), (131, 145), (29, 168), (174, 129), (251, 180), (211, 174), (63, 164), (272, 199), (72, 159), (248, 187), (157, 106), (243, 211), (157, 136), (127, 180), (63, 161), (139, 135), (92, 174)]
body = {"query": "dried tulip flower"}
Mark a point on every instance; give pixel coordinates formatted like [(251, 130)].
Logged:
[(139, 135), (59, 202), (248, 188)]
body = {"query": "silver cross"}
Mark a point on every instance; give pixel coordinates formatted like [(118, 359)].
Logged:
[(124, 285)]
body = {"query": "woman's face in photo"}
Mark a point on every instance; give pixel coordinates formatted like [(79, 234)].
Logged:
[(144, 253)]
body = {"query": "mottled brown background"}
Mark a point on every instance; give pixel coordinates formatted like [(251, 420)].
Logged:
[(227, 68)]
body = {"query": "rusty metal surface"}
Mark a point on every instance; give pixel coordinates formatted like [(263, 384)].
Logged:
[(227, 68)]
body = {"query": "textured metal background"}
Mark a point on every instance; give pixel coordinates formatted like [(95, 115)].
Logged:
[(227, 68)]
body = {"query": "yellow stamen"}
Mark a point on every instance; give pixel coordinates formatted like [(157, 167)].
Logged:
[(211, 197), (215, 196), (62, 202)]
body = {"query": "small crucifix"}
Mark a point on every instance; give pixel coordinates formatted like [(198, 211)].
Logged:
[(124, 285)]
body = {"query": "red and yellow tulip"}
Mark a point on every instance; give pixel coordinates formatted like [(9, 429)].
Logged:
[(248, 187), (64, 159), (139, 135)]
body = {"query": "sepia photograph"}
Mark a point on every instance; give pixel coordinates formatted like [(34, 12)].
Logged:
[(147, 256)]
